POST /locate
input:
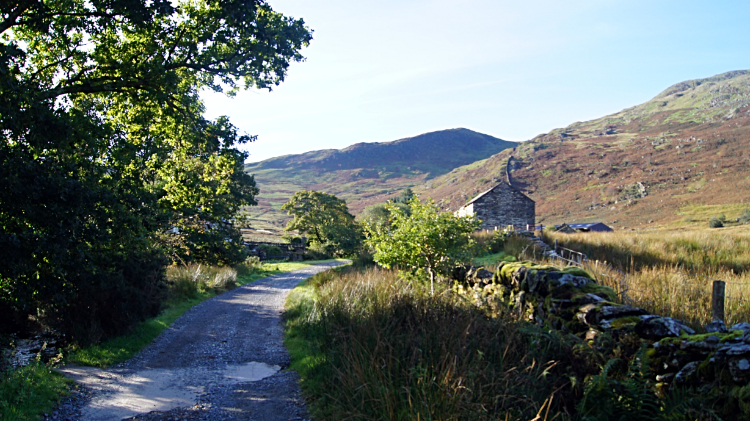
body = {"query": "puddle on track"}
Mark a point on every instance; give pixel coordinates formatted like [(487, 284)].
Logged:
[(127, 394)]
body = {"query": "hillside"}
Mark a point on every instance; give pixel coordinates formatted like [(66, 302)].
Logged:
[(364, 173), (673, 161)]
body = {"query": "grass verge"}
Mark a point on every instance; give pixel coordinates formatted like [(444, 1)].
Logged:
[(493, 259), (27, 393)]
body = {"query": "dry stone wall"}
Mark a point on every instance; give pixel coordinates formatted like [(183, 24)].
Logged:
[(570, 301)]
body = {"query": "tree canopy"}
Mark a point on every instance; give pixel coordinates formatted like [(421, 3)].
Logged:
[(326, 219), (425, 242), (105, 148)]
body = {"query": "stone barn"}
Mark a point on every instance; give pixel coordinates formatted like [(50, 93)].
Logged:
[(500, 206)]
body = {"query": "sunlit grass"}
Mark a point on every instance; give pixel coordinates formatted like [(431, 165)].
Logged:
[(369, 345), (671, 273), (493, 259), (29, 392)]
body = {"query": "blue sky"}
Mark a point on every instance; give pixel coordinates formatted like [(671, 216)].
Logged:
[(385, 70)]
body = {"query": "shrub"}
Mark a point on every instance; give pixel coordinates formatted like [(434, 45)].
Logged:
[(112, 303), (269, 250), (363, 260), (715, 222), (250, 265), (745, 218), (316, 252), (426, 242)]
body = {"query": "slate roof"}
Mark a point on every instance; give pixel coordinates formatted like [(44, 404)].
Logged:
[(586, 226), (480, 195)]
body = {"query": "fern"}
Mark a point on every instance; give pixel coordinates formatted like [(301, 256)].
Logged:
[(631, 397)]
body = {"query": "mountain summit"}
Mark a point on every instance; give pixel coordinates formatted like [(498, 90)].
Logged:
[(435, 153), (365, 173)]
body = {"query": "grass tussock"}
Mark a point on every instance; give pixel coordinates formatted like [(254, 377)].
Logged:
[(371, 346), (187, 282)]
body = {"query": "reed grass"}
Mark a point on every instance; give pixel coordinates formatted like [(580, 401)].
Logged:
[(670, 273), (369, 345), (699, 251)]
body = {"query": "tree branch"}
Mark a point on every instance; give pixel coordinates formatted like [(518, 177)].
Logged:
[(10, 21)]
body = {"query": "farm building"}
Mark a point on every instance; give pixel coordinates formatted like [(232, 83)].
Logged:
[(588, 227), (501, 206)]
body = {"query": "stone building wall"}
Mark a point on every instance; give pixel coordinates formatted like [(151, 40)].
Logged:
[(502, 206)]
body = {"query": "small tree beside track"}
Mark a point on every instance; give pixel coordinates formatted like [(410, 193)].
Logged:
[(426, 242)]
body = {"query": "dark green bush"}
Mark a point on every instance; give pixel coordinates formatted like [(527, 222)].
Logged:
[(270, 251), (715, 222), (316, 252), (364, 259), (112, 303)]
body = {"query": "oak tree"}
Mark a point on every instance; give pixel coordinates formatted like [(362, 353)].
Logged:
[(326, 219), (104, 147)]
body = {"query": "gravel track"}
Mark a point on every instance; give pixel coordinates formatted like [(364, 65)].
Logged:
[(224, 359)]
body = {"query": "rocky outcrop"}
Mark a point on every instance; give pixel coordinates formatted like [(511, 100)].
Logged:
[(570, 300)]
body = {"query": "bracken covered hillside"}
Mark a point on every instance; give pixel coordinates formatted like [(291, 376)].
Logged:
[(672, 161)]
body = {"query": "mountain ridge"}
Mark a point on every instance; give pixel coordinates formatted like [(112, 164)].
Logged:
[(688, 147), (668, 162), (364, 173)]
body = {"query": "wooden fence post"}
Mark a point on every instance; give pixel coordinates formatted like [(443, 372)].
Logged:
[(717, 301)]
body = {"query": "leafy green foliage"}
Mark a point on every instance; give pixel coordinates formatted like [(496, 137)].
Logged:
[(379, 213), (104, 148), (405, 197), (327, 219), (425, 242)]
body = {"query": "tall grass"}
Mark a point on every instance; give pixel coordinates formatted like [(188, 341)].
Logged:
[(371, 346), (187, 282), (700, 251), (671, 273)]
